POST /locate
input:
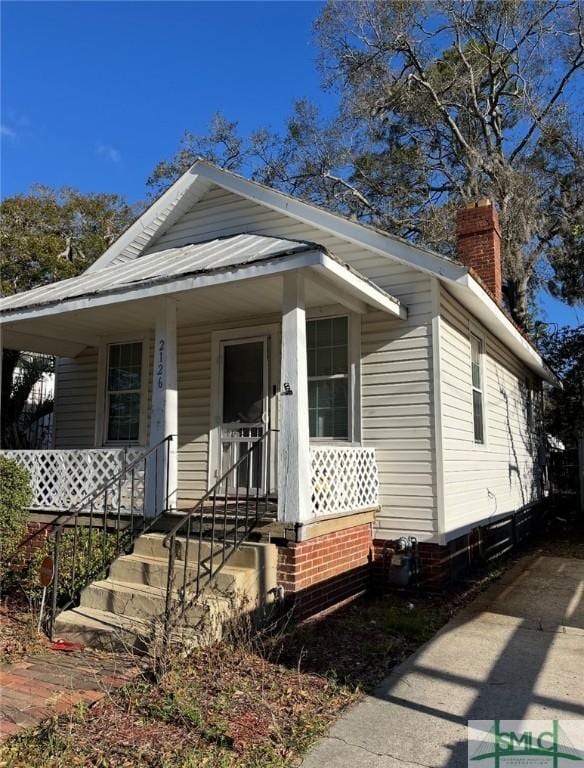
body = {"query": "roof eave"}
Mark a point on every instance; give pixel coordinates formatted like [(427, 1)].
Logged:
[(353, 282), (193, 184), (484, 308), (355, 232), (201, 175), (157, 215)]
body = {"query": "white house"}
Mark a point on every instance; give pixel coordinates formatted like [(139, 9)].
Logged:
[(400, 397)]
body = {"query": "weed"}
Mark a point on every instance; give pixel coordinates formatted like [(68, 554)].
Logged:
[(254, 700), (174, 707)]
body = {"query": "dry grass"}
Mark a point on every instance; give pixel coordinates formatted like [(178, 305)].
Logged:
[(253, 701), (221, 707), (18, 632)]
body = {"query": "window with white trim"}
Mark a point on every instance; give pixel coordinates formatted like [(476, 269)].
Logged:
[(327, 344), (123, 392), (476, 354)]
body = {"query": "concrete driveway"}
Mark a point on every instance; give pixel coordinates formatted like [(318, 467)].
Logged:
[(516, 652)]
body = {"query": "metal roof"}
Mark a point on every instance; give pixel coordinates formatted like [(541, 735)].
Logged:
[(191, 187), (197, 258)]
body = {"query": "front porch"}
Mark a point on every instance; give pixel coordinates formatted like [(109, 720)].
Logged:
[(343, 479), (207, 361)]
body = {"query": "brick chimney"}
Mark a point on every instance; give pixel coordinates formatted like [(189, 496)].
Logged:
[(478, 244)]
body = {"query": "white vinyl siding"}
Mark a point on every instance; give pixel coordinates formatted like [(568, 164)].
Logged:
[(396, 376), (75, 400), (396, 383), (501, 475), (397, 419), (79, 392), (194, 411)]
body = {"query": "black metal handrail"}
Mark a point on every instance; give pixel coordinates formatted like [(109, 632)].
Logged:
[(76, 565), (208, 521)]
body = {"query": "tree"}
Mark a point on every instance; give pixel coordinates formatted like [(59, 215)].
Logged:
[(439, 103), (20, 373), (221, 146), (51, 234), (564, 350), (46, 235)]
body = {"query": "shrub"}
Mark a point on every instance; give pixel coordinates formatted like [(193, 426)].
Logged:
[(78, 564), (15, 498)]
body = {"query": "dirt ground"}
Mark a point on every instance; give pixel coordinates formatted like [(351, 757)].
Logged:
[(258, 699)]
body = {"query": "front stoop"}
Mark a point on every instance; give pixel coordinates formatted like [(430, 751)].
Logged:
[(125, 611)]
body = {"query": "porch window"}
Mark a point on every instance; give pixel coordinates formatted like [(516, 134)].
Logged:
[(327, 343), (123, 392), (476, 353)]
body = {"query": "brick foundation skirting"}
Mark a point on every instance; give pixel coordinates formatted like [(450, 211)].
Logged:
[(440, 564), (327, 570)]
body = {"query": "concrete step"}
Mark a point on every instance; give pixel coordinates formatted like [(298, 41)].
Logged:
[(102, 629), (126, 610), (105, 630), (153, 571), (143, 602), (140, 569), (151, 545)]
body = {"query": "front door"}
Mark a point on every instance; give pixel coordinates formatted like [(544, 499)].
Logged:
[(244, 409)]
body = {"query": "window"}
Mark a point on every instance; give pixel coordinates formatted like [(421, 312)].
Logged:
[(123, 392), (476, 352), (328, 377)]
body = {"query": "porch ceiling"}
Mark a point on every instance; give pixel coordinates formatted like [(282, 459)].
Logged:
[(127, 298)]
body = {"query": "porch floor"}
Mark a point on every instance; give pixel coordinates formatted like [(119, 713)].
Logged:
[(237, 517), (225, 524)]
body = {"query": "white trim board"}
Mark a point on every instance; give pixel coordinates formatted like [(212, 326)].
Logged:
[(193, 184), (371, 238), (437, 404), (455, 276), (472, 296), (187, 190), (144, 338), (344, 277), (159, 216), (271, 332)]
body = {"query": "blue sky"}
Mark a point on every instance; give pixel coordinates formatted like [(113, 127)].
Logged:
[(94, 94)]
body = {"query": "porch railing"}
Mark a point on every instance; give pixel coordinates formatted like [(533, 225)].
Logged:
[(344, 479), (61, 478), (201, 543), (98, 529)]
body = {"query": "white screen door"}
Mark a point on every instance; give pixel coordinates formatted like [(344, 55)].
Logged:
[(243, 408)]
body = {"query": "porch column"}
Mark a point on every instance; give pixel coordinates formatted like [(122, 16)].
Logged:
[(294, 480), (162, 466)]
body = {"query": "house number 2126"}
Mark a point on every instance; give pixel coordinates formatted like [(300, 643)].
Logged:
[(160, 367)]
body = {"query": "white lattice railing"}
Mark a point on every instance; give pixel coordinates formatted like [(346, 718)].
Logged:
[(344, 479), (61, 478)]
